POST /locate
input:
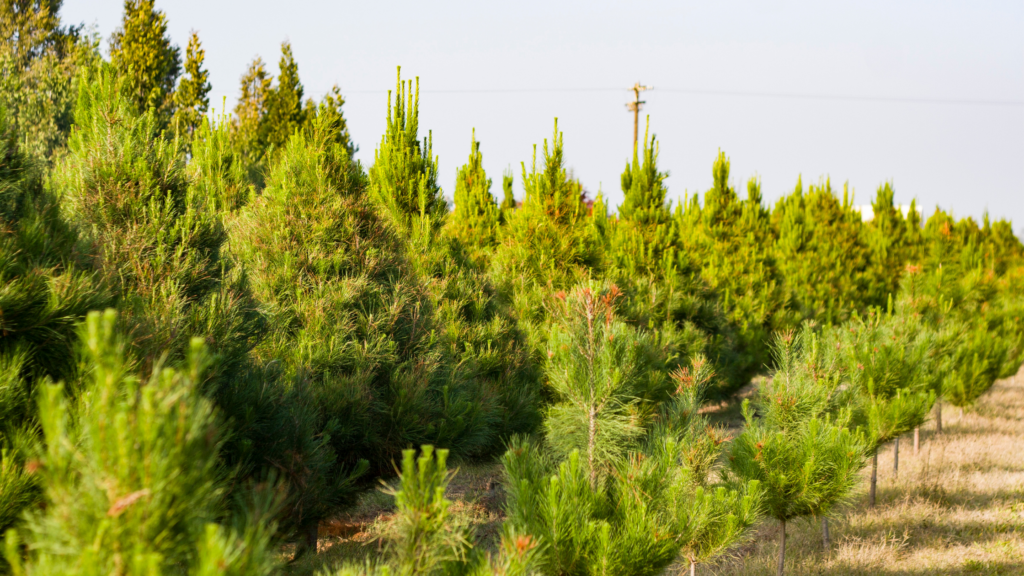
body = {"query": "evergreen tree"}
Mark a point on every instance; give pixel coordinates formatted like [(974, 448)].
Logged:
[(605, 379), (800, 449), (131, 474), (39, 60), (285, 113), (217, 170), (248, 131), (508, 201), (331, 107), (403, 178), (142, 53), (44, 295), (822, 253), (643, 186), (476, 216), (733, 243), (191, 98)]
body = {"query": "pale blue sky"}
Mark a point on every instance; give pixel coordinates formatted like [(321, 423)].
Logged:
[(965, 157)]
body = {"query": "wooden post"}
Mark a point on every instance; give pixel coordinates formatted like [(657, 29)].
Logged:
[(917, 440), (938, 417), (634, 107)]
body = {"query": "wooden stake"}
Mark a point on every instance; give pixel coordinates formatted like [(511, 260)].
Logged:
[(825, 540), (917, 440)]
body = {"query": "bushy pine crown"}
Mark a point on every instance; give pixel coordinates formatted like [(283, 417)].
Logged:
[(551, 191), (476, 215), (822, 253), (643, 186), (403, 177)]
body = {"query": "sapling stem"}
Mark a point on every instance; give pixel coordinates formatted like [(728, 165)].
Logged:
[(782, 549), (896, 458), (825, 540), (874, 479)]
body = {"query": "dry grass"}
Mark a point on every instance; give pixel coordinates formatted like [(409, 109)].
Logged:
[(956, 508)]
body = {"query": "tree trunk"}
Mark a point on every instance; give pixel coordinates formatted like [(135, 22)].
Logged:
[(917, 440), (825, 540), (896, 458), (938, 417), (693, 568), (591, 447), (312, 530), (874, 479), (782, 549)]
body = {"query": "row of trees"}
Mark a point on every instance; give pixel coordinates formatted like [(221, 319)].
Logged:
[(288, 322)]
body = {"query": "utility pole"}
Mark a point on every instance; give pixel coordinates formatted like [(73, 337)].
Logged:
[(635, 106)]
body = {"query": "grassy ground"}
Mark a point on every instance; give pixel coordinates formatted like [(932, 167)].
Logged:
[(956, 507)]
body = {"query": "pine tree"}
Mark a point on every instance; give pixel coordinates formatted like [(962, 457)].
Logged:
[(403, 178), (191, 98), (131, 473), (643, 186), (476, 216), (508, 201), (44, 296), (732, 241), (600, 373), (822, 253), (799, 450), (285, 113), (887, 360), (330, 106), (142, 53)]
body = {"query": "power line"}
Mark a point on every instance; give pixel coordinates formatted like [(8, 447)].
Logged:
[(734, 93)]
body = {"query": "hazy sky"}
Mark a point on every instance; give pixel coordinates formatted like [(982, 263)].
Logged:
[(718, 69)]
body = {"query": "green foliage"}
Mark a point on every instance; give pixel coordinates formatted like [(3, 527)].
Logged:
[(403, 178), (821, 254), (131, 473), (248, 134), (805, 469), (732, 242), (887, 357), (643, 186), (217, 170), (508, 201), (476, 217), (156, 242), (39, 60), (285, 113), (604, 377), (191, 97), (142, 53)]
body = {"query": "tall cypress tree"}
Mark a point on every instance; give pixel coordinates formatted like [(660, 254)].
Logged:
[(142, 53), (191, 98), (285, 113)]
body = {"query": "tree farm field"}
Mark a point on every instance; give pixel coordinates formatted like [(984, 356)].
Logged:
[(955, 507)]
